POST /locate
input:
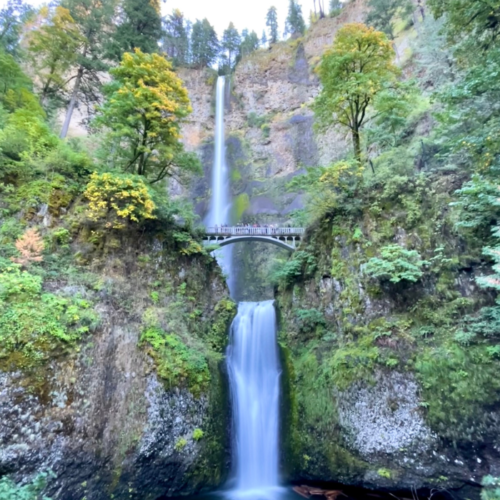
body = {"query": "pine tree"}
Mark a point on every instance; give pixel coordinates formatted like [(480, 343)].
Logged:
[(383, 13), (230, 46), (272, 24), (140, 28), (176, 40), (335, 7), (263, 40), (295, 25), (249, 43), (12, 18), (94, 21), (204, 44)]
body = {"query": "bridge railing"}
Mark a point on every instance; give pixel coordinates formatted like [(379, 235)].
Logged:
[(257, 231)]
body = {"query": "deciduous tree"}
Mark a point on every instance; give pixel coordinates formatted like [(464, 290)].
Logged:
[(30, 247), (12, 18), (354, 71), (94, 20), (144, 108), (52, 51)]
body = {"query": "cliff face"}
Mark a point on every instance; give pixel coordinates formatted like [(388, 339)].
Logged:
[(138, 408)]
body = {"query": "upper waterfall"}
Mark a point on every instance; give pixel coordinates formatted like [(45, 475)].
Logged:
[(220, 205)]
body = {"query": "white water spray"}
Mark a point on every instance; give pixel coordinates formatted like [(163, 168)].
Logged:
[(254, 377)]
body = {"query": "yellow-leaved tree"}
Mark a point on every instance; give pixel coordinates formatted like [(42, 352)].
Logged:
[(145, 106)]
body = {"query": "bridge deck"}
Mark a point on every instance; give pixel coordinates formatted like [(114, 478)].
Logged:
[(229, 231)]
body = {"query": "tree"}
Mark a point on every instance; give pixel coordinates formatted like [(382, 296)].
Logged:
[(204, 44), (176, 40), (230, 46), (263, 40), (30, 247), (12, 18), (294, 25), (353, 72), (52, 51), (140, 27), (335, 7), (382, 14), (272, 24), (94, 20), (144, 108), (249, 43)]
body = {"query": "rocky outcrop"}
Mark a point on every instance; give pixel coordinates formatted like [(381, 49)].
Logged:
[(100, 418)]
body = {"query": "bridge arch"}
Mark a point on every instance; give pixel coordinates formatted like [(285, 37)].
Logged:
[(265, 239)]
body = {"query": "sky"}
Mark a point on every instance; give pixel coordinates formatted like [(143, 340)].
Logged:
[(250, 14)]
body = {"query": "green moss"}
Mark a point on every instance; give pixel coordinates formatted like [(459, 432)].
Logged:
[(386, 473), (240, 205)]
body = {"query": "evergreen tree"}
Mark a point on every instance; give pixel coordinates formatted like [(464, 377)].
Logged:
[(176, 41), (272, 24), (383, 14), (263, 40), (204, 44), (12, 18), (295, 25), (230, 46), (335, 7), (249, 43), (140, 27), (94, 22)]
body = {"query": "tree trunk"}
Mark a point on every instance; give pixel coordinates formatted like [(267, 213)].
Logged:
[(356, 141), (72, 103)]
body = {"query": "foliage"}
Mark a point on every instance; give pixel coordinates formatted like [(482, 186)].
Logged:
[(229, 48), (204, 44), (94, 20), (310, 319), (117, 199), (53, 52), (176, 38), (302, 262), (34, 323), (144, 109), (353, 72), (140, 28), (294, 24), (396, 264), (249, 43), (328, 188), (272, 24), (176, 362), (12, 17), (30, 246), (180, 444), (335, 7), (198, 434), (9, 490), (383, 14), (491, 488)]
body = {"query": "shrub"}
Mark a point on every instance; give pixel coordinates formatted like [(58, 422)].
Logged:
[(310, 319), (9, 490), (118, 198), (30, 246), (197, 434), (491, 488), (396, 264)]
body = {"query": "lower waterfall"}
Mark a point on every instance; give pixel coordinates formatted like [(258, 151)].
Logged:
[(254, 376)]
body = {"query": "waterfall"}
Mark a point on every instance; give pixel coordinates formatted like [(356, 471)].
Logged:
[(220, 204), (254, 377)]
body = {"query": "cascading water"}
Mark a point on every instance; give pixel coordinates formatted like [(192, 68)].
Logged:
[(254, 377), (220, 205), (252, 360)]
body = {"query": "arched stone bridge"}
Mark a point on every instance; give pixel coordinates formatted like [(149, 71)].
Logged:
[(284, 237)]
